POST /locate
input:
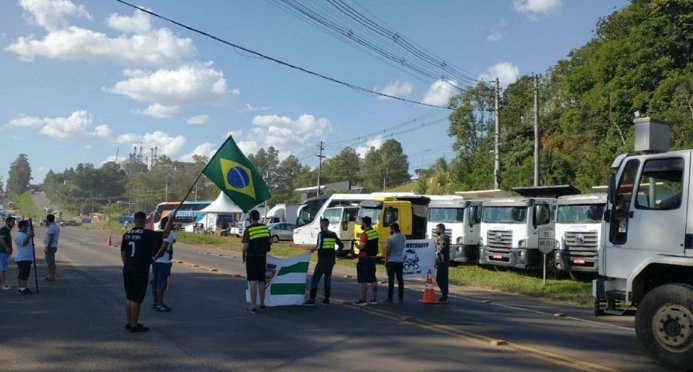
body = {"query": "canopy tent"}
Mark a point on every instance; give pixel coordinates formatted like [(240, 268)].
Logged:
[(223, 205)]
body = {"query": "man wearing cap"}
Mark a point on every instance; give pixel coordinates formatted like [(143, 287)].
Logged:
[(5, 250)]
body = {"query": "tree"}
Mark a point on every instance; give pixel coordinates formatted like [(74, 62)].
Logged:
[(346, 166), (112, 211), (19, 175), (287, 172), (386, 167)]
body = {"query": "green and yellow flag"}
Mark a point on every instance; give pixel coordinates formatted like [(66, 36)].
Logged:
[(233, 173)]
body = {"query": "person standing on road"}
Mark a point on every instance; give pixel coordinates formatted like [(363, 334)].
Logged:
[(365, 267), (394, 258), (5, 251), (161, 270), (256, 243), (326, 260), (25, 255), (442, 261), (137, 251), (50, 242)]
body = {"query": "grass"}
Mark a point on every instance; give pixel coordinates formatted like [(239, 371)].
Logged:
[(26, 206)]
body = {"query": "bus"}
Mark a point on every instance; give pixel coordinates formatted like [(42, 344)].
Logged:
[(187, 215)]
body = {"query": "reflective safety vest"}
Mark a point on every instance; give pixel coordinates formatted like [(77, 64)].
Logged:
[(328, 243), (259, 239), (372, 243)]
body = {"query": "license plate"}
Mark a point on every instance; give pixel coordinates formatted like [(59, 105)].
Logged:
[(579, 261), (497, 256)]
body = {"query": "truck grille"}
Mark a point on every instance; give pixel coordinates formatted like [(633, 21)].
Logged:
[(496, 239), (582, 248)]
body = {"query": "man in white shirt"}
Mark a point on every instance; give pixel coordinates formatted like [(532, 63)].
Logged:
[(25, 255), (161, 270), (50, 242)]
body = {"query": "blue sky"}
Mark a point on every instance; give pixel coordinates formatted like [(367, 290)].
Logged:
[(83, 81)]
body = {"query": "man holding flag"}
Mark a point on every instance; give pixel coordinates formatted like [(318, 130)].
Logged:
[(236, 176)]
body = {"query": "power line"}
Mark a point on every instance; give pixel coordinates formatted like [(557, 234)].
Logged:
[(352, 86)]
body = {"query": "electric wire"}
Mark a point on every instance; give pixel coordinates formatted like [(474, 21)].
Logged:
[(295, 67)]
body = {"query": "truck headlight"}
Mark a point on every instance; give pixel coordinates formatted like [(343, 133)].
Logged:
[(522, 243), (558, 244), (459, 240)]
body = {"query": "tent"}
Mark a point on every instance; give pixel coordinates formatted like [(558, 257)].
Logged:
[(222, 205)]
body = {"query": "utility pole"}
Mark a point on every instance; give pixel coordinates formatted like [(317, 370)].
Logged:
[(536, 131), (320, 156), (496, 149)]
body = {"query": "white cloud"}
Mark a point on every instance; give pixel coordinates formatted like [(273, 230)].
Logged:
[(506, 73), (206, 149), (87, 147), (166, 144), (198, 119), (155, 47), (396, 89), (532, 8), (161, 111), (497, 31), (25, 121), (440, 92), (235, 133), (286, 135), (190, 84), (139, 23), (77, 126), (376, 142), (108, 159), (51, 14)]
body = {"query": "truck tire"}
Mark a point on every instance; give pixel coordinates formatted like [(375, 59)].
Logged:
[(664, 325)]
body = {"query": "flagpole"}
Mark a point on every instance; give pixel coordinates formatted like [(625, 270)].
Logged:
[(33, 253)]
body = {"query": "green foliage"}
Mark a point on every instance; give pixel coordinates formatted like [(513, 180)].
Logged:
[(26, 206), (19, 175), (386, 167), (112, 211), (638, 61)]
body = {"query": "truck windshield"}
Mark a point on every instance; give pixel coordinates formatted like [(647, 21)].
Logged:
[(373, 213), (580, 213), (504, 215), (446, 214), (334, 215)]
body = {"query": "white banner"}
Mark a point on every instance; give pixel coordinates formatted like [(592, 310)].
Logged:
[(285, 281), (419, 256)]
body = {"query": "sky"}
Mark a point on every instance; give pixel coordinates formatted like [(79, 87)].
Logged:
[(86, 81)]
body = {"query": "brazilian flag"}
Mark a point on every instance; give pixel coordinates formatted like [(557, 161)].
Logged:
[(233, 173)]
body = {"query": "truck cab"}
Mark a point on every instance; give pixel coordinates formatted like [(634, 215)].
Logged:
[(578, 232), (515, 230), (648, 245), (409, 212), (342, 220), (462, 220)]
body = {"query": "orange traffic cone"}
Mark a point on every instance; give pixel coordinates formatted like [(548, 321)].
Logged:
[(109, 242), (429, 296)]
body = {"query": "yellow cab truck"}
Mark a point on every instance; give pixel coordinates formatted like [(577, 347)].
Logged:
[(409, 211)]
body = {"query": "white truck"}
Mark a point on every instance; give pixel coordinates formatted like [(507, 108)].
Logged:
[(462, 220), (647, 259), (282, 213), (515, 230), (578, 232)]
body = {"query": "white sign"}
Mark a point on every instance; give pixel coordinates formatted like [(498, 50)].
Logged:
[(419, 256)]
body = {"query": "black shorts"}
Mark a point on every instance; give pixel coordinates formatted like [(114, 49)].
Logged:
[(365, 270), (255, 267), (24, 268), (135, 285)]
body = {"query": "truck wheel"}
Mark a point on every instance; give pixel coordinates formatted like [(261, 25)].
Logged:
[(664, 325)]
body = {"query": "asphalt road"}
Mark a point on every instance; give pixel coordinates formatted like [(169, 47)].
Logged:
[(76, 324)]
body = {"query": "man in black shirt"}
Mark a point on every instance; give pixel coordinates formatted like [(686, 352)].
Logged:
[(137, 249), (327, 240), (256, 243)]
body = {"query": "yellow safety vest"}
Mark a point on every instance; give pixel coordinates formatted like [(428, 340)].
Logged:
[(372, 243)]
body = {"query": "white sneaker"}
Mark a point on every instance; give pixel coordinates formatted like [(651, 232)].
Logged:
[(6, 287)]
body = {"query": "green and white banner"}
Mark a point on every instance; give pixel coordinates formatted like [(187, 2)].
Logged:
[(285, 281)]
